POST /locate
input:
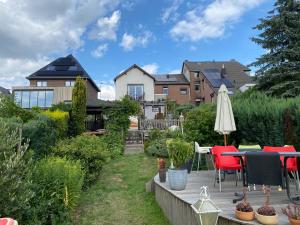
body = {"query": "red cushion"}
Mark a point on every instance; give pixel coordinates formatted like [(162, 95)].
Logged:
[(225, 162), (291, 163), (8, 221)]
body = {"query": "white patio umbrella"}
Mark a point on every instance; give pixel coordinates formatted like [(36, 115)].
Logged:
[(225, 123)]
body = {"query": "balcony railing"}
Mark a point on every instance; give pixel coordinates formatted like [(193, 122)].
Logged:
[(160, 97)]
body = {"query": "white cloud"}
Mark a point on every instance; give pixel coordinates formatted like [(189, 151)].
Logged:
[(100, 51), (176, 71), (171, 12), (13, 71), (107, 91), (106, 27), (213, 20), (150, 68), (129, 42), (32, 30)]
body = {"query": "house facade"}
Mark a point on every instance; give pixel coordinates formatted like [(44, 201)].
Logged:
[(206, 77), (4, 91), (197, 83), (53, 84)]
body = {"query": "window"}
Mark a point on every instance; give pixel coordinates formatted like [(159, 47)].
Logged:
[(165, 91), (33, 98), (41, 83), (183, 91), (197, 87), (136, 91), (196, 74), (70, 83)]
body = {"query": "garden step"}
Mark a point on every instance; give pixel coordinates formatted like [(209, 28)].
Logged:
[(134, 148)]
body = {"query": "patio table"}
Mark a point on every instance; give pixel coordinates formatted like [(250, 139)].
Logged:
[(286, 156)]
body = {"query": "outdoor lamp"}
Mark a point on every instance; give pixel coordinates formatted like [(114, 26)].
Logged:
[(205, 210)]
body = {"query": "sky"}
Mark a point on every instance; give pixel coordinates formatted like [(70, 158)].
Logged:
[(108, 36)]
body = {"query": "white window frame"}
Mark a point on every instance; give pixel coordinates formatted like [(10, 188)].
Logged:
[(42, 83), (69, 83), (165, 88)]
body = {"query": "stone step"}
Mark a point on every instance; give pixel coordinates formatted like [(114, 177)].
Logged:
[(134, 148)]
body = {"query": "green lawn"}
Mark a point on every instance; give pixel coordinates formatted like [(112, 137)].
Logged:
[(119, 195)]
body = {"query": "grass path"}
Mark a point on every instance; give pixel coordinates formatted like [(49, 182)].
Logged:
[(119, 196)]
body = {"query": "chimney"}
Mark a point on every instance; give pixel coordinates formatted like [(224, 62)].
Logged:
[(223, 71)]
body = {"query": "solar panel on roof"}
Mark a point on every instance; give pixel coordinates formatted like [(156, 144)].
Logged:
[(61, 68), (64, 62)]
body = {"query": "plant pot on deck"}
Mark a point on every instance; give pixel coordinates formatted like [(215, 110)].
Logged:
[(294, 221), (177, 179), (245, 216), (267, 220)]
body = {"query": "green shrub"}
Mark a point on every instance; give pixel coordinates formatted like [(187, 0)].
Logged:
[(115, 142), (266, 120), (57, 184), (157, 148), (199, 126), (60, 119), (90, 150), (8, 108), (78, 112), (179, 151), (15, 185), (42, 134)]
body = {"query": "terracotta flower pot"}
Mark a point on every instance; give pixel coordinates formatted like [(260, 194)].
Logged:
[(245, 216), (267, 220), (294, 221)]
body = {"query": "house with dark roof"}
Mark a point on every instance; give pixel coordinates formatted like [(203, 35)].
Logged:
[(197, 83), (152, 90), (54, 83), (206, 78), (4, 91)]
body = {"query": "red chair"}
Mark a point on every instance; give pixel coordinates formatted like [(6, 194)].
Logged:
[(224, 163), (291, 163)]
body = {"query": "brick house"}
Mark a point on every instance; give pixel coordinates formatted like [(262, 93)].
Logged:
[(197, 83), (206, 78), (53, 84)]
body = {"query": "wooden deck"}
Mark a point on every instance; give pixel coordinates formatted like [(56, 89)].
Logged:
[(176, 204)]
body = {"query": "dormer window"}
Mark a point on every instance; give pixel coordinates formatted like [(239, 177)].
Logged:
[(69, 83), (197, 74), (41, 83)]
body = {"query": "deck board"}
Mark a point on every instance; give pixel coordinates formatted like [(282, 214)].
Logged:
[(223, 199)]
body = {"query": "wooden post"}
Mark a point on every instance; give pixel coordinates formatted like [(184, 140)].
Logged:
[(225, 139)]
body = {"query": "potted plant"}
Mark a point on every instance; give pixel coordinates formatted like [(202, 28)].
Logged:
[(161, 164), (293, 213), (179, 152), (243, 210), (267, 214)]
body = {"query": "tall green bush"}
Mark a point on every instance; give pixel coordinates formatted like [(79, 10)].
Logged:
[(78, 112), (15, 185), (91, 151), (42, 134), (199, 126), (265, 120), (179, 151), (57, 185)]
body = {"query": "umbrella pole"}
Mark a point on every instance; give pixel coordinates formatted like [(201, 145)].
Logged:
[(225, 139)]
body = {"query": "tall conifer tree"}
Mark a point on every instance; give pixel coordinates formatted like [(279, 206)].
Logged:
[(278, 71), (78, 112)]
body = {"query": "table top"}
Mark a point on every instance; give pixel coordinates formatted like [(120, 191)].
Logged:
[(285, 154)]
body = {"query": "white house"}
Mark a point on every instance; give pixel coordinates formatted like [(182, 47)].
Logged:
[(139, 85)]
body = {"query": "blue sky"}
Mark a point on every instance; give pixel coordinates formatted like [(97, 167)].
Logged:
[(107, 36)]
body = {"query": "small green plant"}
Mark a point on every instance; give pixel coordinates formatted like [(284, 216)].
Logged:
[(179, 151), (57, 184)]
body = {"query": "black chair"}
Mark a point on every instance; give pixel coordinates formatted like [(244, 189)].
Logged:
[(263, 168)]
